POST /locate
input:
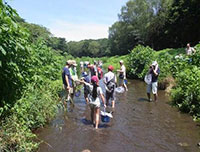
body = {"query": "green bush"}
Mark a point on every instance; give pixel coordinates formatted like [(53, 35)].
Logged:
[(37, 106), (186, 94), (139, 60), (14, 53)]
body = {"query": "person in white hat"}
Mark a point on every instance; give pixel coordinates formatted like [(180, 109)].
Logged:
[(122, 75), (153, 86)]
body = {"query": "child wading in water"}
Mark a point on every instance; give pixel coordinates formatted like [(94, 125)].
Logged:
[(94, 99)]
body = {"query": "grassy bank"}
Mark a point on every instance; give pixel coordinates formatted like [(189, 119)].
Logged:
[(33, 110)]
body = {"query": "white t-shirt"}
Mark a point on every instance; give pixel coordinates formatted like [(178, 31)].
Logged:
[(189, 50), (96, 101), (123, 69), (109, 76)]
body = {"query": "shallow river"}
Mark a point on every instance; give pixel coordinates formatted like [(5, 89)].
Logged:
[(137, 126)]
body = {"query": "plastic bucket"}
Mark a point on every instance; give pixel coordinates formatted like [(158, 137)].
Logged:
[(119, 90), (105, 118)]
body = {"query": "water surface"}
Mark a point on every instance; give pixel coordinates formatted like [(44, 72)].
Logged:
[(137, 126)]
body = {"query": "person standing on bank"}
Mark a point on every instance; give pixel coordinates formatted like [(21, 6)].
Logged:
[(189, 50), (67, 81), (153, 86), (122, 75), (110, 81)]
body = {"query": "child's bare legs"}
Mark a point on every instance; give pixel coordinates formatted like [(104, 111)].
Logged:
[(97, 111), (113, 103)]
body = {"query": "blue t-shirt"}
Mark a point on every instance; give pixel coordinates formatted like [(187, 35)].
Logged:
[(154, 77), (66, 73)]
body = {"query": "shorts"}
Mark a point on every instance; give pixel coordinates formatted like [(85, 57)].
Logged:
[(152, 87), (110, 95), (94, 103)]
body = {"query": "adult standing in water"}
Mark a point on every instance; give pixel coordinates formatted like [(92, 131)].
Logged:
[(153, 86), (122, 75), (86, 78), (74, 76), (94, 99), (110, 81), (93, 69), (67, 81)]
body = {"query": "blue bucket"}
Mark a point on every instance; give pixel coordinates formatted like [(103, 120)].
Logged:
[(105, 118)]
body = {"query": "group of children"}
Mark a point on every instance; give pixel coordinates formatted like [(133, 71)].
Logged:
[(92, 91)]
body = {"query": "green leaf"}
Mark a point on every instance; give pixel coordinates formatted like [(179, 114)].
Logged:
[(2, 50)]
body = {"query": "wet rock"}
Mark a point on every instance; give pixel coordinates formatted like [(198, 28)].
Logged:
[(198, 144), (184, 144)]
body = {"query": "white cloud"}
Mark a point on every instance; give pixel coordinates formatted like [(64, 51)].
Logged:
[(77, 32)]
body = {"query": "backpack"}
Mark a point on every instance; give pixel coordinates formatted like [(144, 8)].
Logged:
[(111, 85), (100, 73)]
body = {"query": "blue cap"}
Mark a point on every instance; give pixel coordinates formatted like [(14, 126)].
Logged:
[(84, 74)]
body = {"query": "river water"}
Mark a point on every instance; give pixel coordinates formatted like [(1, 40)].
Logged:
[(137, 126)]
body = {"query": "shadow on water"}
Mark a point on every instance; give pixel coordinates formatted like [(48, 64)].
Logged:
[(143, 100), (137, 125), (86, 121)]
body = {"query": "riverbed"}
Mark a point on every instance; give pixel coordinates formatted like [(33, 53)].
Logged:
[(137, 126)]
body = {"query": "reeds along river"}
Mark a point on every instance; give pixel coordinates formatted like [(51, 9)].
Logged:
[(138, 126)]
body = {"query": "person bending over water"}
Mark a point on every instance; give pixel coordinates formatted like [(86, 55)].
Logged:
[(94, 99)]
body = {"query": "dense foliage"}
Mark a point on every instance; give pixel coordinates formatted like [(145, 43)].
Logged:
[(14, 55), (186, 94), (91, 48), (38, 32), (156, 23), (30, 73), (139, 59)]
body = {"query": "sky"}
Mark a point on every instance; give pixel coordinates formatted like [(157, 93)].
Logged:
[(74, 20)]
